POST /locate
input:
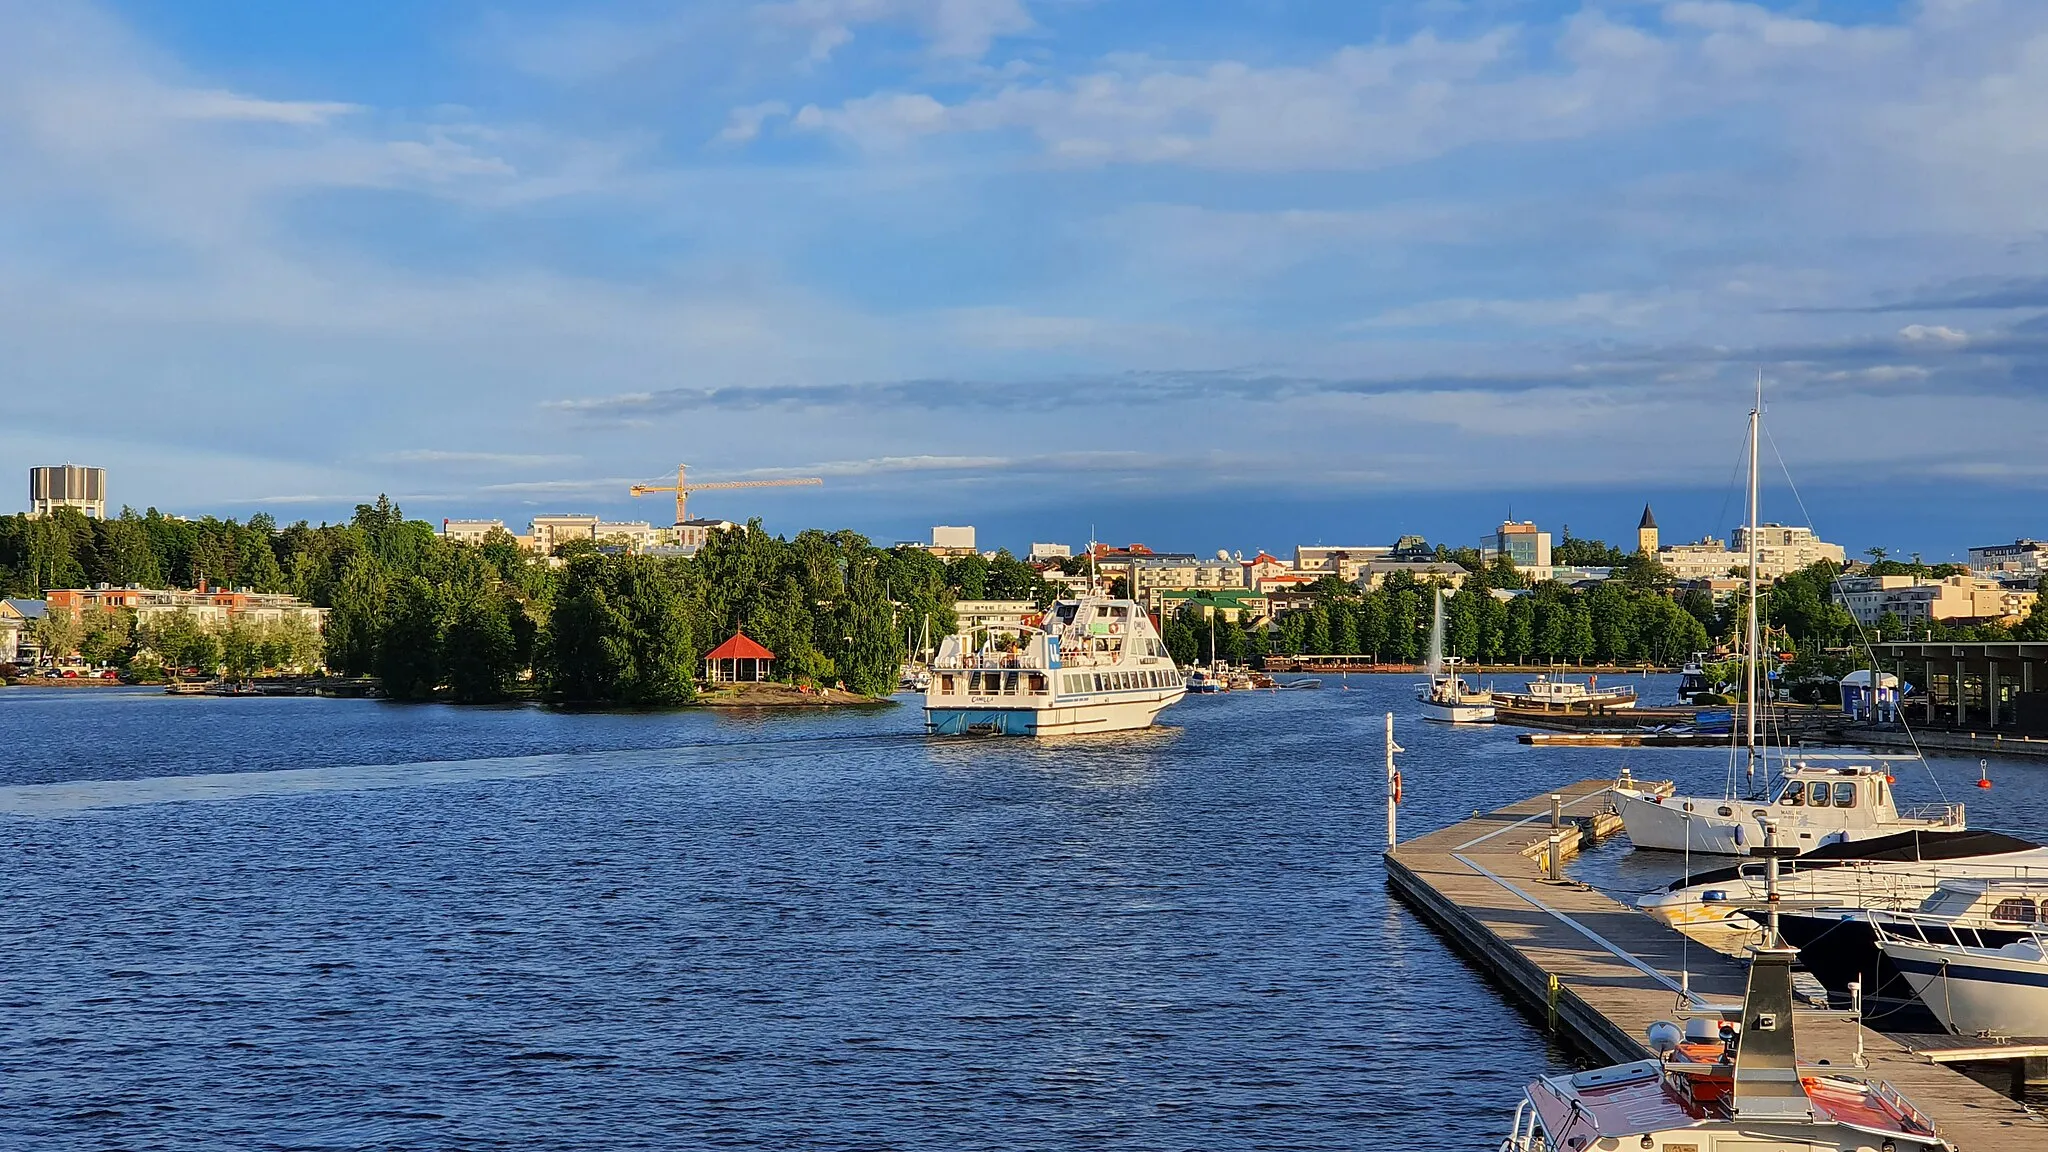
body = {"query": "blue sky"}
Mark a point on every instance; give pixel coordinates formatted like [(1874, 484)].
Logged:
[(1204, 274)]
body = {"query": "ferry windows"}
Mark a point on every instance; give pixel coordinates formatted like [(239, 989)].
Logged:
[(1037, 687), (1794, 796), (1099, 682), (1845, 794), (1817, 794), (945, 685), (2014, 910), (1009, 683)]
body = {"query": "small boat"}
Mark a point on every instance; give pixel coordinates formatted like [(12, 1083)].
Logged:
[(1447, 697), (1895, 873), (1845, 946), (1693, 681), (1090, 665), (1560, 694), (1821, 800), (1972, 984), (1204, 683), (1753, 1094)]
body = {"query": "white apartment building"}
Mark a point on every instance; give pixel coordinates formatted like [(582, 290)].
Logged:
[(635, 535), (1915, 599), (1423, 572), (1709, 559), (2019, 558), (974, 614), (1782, 549), (1152, 575), (953, 540), (1344, 562), (469, 531), (547, 533), (1051, 551)]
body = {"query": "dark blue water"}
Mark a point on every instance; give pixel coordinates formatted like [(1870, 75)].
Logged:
[(344, 924)]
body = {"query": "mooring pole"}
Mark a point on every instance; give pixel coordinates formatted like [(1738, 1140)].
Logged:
[(1393, 783)]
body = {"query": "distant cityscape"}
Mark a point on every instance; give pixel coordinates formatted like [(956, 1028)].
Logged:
[(1999, 585)]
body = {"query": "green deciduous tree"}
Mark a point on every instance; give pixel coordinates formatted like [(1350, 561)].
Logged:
[(409, 648)]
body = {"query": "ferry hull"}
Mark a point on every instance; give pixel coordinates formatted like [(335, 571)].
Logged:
[(1077, 717)]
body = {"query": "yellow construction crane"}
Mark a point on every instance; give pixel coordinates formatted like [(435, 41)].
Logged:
[(682, 487)]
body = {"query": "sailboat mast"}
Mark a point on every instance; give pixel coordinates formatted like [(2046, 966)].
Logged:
[(1754, 653)]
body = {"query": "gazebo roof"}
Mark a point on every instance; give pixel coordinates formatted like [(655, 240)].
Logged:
[(739, 648)]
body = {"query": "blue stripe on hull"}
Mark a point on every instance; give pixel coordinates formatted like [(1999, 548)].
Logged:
[(1971, 972)]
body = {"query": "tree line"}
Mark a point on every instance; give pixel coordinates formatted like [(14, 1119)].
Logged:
[(430, 618)]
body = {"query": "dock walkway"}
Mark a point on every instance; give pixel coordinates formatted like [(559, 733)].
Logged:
[(1600, 972)]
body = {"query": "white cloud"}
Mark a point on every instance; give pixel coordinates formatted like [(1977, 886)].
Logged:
[(1612, 309), (440, 456), (745, 123), (220, 105), (1933, 334), (963, 29)]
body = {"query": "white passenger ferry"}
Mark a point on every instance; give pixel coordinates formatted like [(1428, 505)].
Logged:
[(1089, 665)]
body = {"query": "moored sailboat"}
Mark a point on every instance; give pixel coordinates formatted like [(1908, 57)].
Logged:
[(1816, 805), (1446, 696)]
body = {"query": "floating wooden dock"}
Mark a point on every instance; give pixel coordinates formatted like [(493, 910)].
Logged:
[(1599, 972), (1626, 739)]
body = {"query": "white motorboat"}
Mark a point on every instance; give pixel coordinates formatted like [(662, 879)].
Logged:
[(1447, 697), (1971, 984), (1087, 666), (1750, 1092), (1896, 873), (1821, 800)]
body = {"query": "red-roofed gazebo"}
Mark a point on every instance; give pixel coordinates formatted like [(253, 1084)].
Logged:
[(738, 659)]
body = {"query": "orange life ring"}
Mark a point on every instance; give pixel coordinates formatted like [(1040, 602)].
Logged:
[(1397, 787)]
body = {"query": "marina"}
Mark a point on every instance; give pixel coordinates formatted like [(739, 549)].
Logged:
[(1598, 973)]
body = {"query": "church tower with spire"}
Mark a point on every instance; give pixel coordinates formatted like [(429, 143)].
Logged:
[(1646, 533)]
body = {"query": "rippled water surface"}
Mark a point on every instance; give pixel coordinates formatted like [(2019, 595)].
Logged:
[(346, 924)]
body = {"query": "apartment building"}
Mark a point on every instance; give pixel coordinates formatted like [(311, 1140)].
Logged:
[(469, 531), (1950, 599), (2019, 558), (210, 607), (1343, 562), (1783, 549)]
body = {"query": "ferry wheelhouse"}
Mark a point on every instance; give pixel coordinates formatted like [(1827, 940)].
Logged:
[(1087, 666)]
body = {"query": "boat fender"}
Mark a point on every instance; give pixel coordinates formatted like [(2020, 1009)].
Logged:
[(1741, 837)]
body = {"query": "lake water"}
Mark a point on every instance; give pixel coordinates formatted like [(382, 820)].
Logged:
[(308, 924)]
